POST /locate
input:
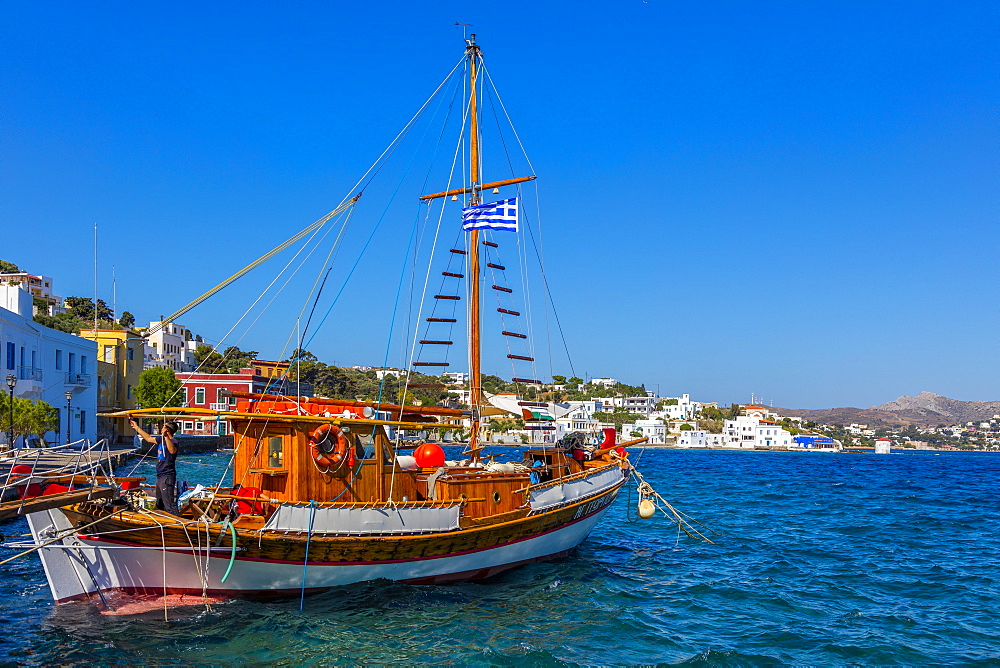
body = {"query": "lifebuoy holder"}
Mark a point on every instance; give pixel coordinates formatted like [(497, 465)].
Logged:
[(329, 446)]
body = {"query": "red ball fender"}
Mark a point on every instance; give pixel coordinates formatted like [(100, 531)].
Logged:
[(328, 445)]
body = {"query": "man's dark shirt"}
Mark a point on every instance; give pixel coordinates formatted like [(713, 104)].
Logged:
[(165, 458)]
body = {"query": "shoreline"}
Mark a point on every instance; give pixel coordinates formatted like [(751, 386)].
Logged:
[(895, 451)]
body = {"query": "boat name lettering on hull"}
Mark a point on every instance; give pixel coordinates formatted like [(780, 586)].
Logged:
[(593, 506)]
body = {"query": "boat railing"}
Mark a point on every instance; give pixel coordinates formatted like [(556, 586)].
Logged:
[(74, 459)]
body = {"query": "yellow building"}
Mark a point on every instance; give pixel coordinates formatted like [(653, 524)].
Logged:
[(269, 369), (119, 353)]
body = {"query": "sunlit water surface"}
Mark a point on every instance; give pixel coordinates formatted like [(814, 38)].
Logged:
[(822, 559)]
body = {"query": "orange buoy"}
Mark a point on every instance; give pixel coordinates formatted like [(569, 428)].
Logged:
[(428, 455)]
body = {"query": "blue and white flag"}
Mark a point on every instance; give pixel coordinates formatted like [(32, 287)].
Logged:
[(500, 215)]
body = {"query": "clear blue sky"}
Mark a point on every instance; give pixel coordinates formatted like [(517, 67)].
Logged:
[(794, 199)]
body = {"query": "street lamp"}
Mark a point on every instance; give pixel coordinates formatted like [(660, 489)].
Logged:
[(11, 383), (69, 399)]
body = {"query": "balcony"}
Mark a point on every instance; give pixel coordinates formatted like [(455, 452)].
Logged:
[(29, 373), (221, 407), (79, 379)]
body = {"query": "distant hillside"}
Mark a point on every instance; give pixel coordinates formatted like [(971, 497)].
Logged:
[(924, 410)]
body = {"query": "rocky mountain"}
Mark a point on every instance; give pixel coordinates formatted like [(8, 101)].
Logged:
[(959, 411), (924, 410)]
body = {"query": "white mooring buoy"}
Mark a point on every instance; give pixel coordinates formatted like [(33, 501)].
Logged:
[(646, 509)]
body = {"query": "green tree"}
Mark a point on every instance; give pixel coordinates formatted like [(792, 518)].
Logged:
[(30, 417), (207, 360), (83, 308), (64, 322), (575, 380), (686, 427), (231, 360), (8, 267), (127, 320), (158, 388), (559, 380)]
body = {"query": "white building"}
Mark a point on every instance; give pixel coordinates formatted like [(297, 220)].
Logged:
[(684, 409), (770, 435), (460, 377), (750, 431), (48, 365), (577, 416), (604, 382), (168, 347), (640, 405), (653, 429), (35, 286), (693, 439)]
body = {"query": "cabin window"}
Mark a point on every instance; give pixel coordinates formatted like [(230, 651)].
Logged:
[(275, 452)]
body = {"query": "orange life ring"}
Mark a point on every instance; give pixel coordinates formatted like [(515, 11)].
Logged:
[(328, 445)]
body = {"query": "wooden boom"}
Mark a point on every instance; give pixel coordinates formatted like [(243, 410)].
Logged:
[(477, 188)]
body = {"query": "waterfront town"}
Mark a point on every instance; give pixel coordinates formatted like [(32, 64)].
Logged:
[(61, 375)]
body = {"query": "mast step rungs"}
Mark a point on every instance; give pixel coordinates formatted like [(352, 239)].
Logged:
[(515, 335), (528, 381), (430, 364), (446, 297), (496, 266), (452, 274), (442, 319), (502, 289), (436, 343), (508, 311), (459, 251), (521, 357), (491, 244)]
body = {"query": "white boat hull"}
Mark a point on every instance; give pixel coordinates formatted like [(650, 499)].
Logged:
[(81, 568)]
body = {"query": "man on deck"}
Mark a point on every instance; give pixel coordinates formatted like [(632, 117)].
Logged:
[(166, 472)]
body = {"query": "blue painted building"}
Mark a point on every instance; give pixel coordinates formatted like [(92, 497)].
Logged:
[(813, 441)]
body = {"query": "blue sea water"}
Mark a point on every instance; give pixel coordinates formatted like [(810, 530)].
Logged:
[(822, 559)]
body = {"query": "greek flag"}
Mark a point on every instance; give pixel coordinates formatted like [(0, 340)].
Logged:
[(500, 215)]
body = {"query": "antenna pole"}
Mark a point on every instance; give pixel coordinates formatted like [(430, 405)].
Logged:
[(95, 282)]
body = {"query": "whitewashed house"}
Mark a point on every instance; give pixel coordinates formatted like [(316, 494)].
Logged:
[(693, 439), (577, 416), (653, 429), (684, 409), (750, 431), (770, 435), (56, 367), (168, 347)]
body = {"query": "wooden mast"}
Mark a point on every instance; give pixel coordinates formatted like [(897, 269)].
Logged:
[(475, 189), (475, 346)]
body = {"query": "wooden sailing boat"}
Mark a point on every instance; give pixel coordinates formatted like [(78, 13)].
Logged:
[(325, 496)]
